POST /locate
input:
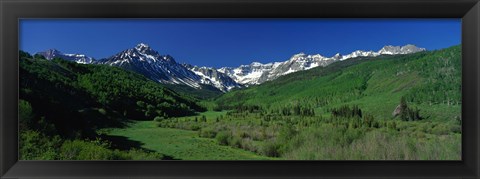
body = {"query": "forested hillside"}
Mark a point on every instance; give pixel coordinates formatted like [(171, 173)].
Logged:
[(401, 107), (425, 79), (62, 98)]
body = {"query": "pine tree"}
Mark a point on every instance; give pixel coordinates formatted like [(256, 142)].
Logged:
[(403, 109)]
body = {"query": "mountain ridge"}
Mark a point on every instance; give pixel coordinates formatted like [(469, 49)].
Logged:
[(257, 73), (164, 69)]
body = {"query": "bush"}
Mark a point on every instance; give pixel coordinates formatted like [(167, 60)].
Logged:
[(36, 146), (222, 138), (244, 134), (271, 149), (235, 141), (195, 127), (207, 133), (287, 132), (25, 115), (441, 130), (86, 150), (456, 128), (158, 118), (248, 144)]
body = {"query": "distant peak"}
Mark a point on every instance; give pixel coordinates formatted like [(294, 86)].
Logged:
[(145, 49), (406, 49), (53, 50), (256, 64), (142, 45), (405, 46), (337, 56), (298, 55), (411, 46), (317, 56), (50, 53)]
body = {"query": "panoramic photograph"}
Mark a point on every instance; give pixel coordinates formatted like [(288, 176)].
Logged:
[(240, 89)]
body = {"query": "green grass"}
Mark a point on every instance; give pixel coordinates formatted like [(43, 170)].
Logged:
[(180, 144)]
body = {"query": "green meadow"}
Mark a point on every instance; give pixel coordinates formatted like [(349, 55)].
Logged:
[(178, 143)]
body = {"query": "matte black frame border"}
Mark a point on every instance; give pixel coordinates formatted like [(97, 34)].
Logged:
[(468, 10)]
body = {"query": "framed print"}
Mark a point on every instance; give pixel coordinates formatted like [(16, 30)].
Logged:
[(240, 89)]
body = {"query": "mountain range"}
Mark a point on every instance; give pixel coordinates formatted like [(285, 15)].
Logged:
[(164, 69), (257, 73)]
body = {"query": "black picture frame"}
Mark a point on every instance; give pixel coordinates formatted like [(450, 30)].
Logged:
[(11, 11)]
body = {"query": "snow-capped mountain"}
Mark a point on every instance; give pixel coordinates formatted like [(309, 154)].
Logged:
[(211, 76), (164, 69), (79, 58), (148, 62), (257, 73)]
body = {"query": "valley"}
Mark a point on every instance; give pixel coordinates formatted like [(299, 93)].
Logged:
[(341, 110)]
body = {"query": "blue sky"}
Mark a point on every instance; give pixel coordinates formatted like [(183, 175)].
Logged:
[(232, 42)]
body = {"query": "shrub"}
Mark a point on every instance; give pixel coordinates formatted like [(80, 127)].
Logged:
[(195, 127), (222, 138), (86, 150), (392, 125), (244, 134), (25, 115), (441, 130), (248, 144), (207, 132), (271, 149), (456, 128), (36, 146), (158, 118), (235, 141)]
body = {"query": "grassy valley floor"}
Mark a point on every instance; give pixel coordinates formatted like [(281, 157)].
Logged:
[(179, 144)]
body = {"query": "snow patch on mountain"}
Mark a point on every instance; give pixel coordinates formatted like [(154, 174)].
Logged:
[(212, 76)]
